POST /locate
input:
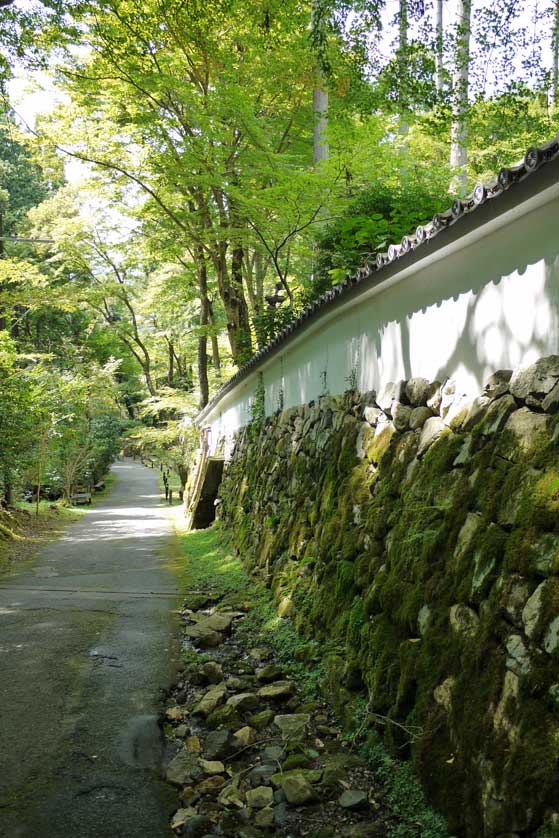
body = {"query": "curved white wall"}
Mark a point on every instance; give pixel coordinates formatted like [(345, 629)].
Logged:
[(489, 301)]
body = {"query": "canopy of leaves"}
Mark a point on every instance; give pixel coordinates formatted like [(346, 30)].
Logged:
[(202, 226)]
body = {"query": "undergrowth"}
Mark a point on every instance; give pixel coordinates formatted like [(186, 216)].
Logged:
[(404, 795), (211, 568), (21, 531), (49, 511)]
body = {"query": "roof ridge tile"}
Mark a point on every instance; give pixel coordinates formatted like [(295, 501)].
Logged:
[(534, 158)]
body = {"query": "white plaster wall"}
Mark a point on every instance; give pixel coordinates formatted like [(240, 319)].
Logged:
[(493, 304)]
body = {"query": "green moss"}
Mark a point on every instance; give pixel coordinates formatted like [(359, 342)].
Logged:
[(541, 503), (380, 445), (347, 457), (489, 548), (549, 609), (344, 590), (548, 830), (296, 761), (381, 540), (532, 761), (357, 619), (362, 570)]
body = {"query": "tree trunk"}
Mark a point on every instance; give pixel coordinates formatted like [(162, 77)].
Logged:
[(148, 379), (2, 254), (403, 67), (321, 150), (8, 488), (203, 336), (140, 353), (260, 270), (555, 56), (171, 362), (460, 85), (439, 46), (216, 360), (40, 469), (236, 309)]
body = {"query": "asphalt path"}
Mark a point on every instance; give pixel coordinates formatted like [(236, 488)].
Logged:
[(86, 643)]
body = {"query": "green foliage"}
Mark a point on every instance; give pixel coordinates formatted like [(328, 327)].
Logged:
[(23, 181), (171, 438), (392, 198), (62, 429), (404, 796), (105, 436), (16, 409), (258, 405), (203, 199)]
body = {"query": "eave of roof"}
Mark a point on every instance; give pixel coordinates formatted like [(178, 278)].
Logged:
[(511, 187)]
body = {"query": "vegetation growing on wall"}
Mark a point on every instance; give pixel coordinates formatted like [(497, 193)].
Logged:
[(425, 560)]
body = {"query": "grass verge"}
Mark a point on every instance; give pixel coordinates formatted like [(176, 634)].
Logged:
[(22, 533), (109, 480), (205, 564)]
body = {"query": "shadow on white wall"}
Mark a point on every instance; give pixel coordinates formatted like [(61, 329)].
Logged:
[(492, 305)]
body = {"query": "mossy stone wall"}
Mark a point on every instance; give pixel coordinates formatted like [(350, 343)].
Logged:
[(415, 535)]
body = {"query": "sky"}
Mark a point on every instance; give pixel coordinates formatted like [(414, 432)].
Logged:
[(37, 94)]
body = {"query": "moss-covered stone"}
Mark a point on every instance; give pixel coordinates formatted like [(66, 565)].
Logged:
[(413, 566)]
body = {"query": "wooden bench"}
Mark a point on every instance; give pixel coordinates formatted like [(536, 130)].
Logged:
[(81, 499)]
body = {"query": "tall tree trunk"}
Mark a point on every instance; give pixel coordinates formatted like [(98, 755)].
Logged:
[(40, 467), (145, 363), (260, 270), (230, 286), (403, 127), (236, 309), (460, 85), (182, 473), (216, 360), (439, 65), (203, 336), (178, 362), (2, 254), (555, 56), (321, 150), (171, 362), (138, 349)]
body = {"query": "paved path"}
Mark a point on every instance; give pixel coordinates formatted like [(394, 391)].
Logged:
[(86, 637)]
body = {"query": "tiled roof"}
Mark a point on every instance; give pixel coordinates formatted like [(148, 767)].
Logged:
[(534, 159)]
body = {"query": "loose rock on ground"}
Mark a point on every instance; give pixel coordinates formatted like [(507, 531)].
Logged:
[(248, 755)]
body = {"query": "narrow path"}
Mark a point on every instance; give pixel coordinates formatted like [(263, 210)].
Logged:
[(86, 639)]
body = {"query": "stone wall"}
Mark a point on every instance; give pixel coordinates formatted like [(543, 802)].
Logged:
[(416, 538)]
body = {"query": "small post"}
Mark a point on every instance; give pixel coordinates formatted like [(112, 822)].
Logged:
[(170, 497)]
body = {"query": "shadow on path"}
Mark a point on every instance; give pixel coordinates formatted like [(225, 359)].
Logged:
[(86, 642)]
